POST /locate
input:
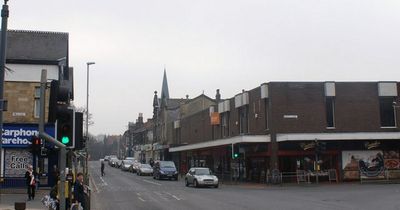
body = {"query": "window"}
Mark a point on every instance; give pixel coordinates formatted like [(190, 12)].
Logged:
[(243, 119), (36, 111), (177, 135), (387, 112), (225, 124), (266, 109), (330, 112)]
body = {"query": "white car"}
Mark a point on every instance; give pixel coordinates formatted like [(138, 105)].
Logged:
[(201, 177), (144, 169)]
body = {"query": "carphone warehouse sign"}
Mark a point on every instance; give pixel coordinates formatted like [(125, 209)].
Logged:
[(19, 135)]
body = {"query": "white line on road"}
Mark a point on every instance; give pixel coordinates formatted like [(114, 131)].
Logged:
[(141, 199), (104, 183), (174, 196), (152, 182), (95, 186)]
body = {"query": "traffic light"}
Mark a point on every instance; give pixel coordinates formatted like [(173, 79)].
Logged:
[(36, 144), (235, 151), (320, 147), (79, 140), (65, 125)]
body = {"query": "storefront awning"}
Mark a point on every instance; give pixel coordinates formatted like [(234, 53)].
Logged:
[(338, 136), (220, 142)]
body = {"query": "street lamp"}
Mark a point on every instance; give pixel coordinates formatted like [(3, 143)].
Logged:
[(87, 116)]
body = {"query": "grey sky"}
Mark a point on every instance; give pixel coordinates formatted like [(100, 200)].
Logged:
[(210, 44)]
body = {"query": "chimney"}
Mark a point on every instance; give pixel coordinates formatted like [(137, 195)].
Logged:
[(140, 119), (218, 96)]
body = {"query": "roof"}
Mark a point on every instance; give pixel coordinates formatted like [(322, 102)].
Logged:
[(36, 45)]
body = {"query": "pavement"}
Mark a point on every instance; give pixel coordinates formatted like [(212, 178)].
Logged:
[(9, 196), (124, 190)]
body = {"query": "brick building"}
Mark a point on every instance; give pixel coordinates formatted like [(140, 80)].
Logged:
[(28, 52), (282, 124)]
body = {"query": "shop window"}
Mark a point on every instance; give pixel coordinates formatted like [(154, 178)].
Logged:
[(330, 112), (225, 124), (387, 112), (36, 111), (243, 119)]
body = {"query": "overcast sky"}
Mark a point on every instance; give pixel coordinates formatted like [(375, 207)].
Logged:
[(210, 44)]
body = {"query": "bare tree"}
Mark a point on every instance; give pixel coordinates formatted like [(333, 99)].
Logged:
[(83, 110)]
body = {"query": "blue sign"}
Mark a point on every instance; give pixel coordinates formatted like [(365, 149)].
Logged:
[(20, 135)]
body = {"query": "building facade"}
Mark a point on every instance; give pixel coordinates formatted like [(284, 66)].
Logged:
[(28, 52), (348, 127)]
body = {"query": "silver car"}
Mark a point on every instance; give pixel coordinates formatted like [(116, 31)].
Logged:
[(144, 169), (126, 164), (201, 177)]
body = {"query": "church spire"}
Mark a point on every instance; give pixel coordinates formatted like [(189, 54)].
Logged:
[(164, 90)]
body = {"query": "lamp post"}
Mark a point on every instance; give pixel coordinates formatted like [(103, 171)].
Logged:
[(3, 43), (87, 118)]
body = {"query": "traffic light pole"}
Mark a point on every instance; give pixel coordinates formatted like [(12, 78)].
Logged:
[(47, 137)]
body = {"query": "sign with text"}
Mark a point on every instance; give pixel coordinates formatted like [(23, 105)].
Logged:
[(16, 162), (19, 135)]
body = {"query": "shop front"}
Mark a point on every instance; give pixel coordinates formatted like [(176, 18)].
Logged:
[(16, 155)]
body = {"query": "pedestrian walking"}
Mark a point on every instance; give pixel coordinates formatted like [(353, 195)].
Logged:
[(102, 168), (30, 177), (79, 190)]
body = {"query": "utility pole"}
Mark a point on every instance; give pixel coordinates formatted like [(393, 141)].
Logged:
[(3, 47), (47, 137)]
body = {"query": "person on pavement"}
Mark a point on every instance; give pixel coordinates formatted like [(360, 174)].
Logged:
[(30, 177), (79, 192), (102, 168)]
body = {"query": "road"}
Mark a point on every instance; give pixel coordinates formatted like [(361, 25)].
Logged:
[(119, 190)]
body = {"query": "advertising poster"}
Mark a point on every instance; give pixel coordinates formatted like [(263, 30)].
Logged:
[(391, 159), (16, 162), (367, 163)]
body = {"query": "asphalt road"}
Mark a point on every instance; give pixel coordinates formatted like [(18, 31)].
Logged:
[(123, 190)]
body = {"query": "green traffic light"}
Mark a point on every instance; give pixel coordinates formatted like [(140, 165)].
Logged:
[(235, 155), (65, 140)]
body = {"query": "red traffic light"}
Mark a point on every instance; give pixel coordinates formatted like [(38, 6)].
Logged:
[(36, 140)]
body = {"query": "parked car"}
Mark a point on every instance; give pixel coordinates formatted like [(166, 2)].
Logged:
[(113, 162), (165, 169), (119, 163), (107, 158), (130, 158), (201, 177), (144, 169), (135, 166), (126, 164)]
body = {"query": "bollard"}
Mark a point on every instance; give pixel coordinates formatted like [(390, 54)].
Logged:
[(20, 205)]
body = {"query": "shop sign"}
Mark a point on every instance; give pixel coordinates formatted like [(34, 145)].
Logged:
[(215, 118), (307, 146), (372, 145), (19, 135)]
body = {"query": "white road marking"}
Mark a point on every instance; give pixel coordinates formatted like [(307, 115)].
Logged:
[(104, 183), (152, 182), (174, 196), (95, 186), (141, 199)]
